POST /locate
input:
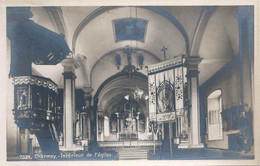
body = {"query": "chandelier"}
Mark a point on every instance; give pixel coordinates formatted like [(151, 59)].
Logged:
[(138, 93), (129, 51)]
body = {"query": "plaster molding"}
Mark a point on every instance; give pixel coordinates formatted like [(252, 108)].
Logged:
[(69, 65)]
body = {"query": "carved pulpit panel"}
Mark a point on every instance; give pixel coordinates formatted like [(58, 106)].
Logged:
[(34, 102)]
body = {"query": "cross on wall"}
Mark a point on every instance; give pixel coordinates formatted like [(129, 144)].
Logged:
[(164, 52)]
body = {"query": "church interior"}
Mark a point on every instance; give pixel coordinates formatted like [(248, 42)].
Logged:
[(130, 82)]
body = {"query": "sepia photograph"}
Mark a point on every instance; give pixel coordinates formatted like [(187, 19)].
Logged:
[(148, 83)]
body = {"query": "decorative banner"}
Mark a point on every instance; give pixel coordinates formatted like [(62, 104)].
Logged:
[(165, 81)]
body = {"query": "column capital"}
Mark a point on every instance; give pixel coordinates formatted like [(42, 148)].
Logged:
[(69, 75), (83, 113), (69, 65), (192, 62), (100, 113), (192, 73), (88, 90), (87, 95)]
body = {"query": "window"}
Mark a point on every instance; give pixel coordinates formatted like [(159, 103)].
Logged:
[(214, 105), (213, 116)]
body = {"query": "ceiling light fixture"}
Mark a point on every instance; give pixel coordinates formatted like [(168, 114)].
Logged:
[(127, 97)]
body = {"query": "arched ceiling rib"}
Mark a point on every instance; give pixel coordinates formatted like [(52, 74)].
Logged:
[(117, 100), (122, 82), (155, 9), (87, 20), (73, 16), (189, 20), (200, 29), (219, 43), (108, 62), (117, 88), (96, 39)]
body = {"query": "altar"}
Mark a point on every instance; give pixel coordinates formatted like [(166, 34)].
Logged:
[(129, 123), (129, 131), (127, 144)]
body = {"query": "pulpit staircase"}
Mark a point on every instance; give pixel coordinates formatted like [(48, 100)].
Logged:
[(132, 154), (48, 140)]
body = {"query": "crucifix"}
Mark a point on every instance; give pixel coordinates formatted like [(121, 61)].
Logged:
[(129, 51), (164, 52)]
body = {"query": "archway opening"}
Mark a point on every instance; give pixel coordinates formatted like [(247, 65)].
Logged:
[(123, 103)]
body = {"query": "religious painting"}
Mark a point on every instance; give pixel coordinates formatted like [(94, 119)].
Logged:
[(165, 97), (130, 29)]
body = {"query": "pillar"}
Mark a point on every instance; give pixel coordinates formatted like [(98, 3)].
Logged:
[(84, 125), (80, 125), (184, 122), (88, 98), (162, 131), (78, 128), (192, 63), (245, 17), (102, 128), (180, 124), (24, 141), (99, 125), (117, 125), (137, 121), (170, 137), (106, 126), (147, 126), (89, 126), (122, 124), (69, 101)]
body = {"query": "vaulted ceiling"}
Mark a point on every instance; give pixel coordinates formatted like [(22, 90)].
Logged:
[(211, 33)]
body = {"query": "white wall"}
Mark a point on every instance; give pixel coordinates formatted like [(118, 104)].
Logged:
[(221, 144), (230, 94), (11, 128)]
